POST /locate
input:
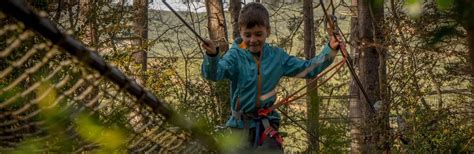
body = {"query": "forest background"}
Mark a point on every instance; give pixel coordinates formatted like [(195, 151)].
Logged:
[(414, 59)]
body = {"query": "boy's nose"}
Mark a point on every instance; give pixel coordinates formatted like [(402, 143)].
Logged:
[(253, 39)]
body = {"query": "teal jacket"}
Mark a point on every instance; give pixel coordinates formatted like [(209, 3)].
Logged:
[(240, 67)]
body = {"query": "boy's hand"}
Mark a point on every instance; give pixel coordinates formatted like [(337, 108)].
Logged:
[(334, 43), (209, 46)]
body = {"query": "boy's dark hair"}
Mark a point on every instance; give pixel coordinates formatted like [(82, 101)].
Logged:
[(254, 14)]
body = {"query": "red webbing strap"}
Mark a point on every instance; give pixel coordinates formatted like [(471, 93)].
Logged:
[(271, 132)]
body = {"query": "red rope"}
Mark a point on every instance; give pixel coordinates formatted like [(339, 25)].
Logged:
[(292, 97)]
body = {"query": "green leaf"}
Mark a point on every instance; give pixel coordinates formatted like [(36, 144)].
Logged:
[(229, 142), (93, 131), (444, 4)]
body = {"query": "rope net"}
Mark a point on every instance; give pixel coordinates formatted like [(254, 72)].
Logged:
[(51, 100)]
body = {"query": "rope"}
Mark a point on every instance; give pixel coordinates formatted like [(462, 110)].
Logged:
[(344, 52)]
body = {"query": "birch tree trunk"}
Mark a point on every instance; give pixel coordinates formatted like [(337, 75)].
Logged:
[(217, 33)]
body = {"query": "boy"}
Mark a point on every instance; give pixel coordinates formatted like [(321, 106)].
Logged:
[(254, 69)]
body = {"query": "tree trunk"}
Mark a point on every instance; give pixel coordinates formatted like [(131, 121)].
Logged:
[(470, 35), (59, 9), (234, 9), (466, 11), (90, 37), (140, 29), (370, 33), (356, 107), (312, 99), (216, 23), (88, 23), (217, 33), (384, 139)]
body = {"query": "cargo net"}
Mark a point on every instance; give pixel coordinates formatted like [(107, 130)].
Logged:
[(50, 101)]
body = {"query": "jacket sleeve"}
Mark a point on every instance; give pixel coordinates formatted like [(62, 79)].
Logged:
[(295, 67), (217, 68)]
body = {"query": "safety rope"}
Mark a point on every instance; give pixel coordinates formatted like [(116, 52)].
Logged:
[(334, 26), (334, 30)]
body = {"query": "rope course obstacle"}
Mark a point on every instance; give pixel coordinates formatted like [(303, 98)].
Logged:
[(51, 84)]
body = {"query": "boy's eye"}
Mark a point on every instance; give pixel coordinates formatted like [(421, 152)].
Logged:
[(247, 34)]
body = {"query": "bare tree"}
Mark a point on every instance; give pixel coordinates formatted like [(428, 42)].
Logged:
[(217, 32), (216, 23), (370, 32), (88, 23), (312, 99), (140, 29), (356, 107), (470, 35), (465, 12), (234, 8)]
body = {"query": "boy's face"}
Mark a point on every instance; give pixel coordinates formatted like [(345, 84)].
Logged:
[(254, 37)]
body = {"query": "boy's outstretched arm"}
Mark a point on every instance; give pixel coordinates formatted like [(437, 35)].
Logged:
[(295, 67), (213, 66)]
